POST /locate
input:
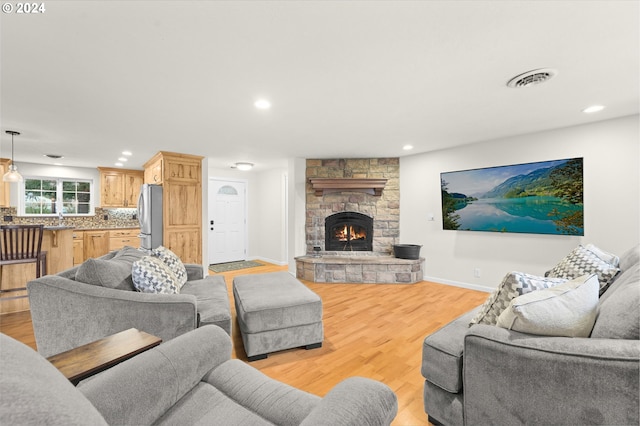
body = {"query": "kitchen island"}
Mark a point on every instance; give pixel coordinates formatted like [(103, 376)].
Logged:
[(57, 241)]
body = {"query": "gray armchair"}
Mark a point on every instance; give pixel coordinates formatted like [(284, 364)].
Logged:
[(97, 299), (485, 374), (188, 380)]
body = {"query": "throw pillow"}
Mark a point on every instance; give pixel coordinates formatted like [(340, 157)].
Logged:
[(568, 309), (603, 255), (151, 275), (173, 262), (513, 284), (106, 273), (581, 262)]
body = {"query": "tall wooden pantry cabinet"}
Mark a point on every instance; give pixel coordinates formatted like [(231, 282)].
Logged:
[(181, 178)]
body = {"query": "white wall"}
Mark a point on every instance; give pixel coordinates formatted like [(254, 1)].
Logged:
[(611, 202), (296, 235), (267, 210)]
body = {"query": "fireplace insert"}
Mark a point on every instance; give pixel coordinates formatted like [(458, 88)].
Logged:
[(348, 231)]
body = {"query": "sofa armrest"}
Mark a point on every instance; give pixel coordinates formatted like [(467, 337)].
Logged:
[(355, 401), (194, 271), (142, 389), (66, 313), (511, 377)]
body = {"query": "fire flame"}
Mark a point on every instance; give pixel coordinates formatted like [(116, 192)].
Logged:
[(349, 233)]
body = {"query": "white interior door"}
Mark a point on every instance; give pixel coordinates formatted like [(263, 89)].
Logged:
[(227, 224)]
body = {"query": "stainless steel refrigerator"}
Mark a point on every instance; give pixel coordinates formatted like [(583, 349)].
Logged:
[(150, 216)]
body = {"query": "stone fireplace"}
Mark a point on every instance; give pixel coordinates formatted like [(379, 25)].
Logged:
[(352, 223), (381, 205)]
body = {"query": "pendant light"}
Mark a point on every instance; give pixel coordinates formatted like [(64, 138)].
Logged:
[(12, 175)]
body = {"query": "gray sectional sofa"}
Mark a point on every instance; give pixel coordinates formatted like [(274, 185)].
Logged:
[(97, 298), (188, 380), (484, 374)]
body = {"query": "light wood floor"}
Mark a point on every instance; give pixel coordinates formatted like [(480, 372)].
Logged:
[(371, 330)]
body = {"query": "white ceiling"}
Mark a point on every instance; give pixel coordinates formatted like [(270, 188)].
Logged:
[(346, 79)]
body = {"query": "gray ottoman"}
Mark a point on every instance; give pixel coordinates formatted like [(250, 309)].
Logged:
[(275, 312)]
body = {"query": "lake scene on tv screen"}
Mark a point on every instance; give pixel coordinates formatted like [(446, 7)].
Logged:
[(539, 198)]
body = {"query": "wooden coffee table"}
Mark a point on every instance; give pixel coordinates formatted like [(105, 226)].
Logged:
[(79, 363)]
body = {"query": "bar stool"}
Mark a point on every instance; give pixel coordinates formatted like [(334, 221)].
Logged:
[(22, 244)]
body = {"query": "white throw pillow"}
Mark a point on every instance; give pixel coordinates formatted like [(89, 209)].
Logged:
[(151, 275), (567, 309), (513, 284)]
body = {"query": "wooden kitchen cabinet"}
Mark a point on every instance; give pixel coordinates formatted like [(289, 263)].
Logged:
[(153, 172), (95, 244), (120, 188), (123, 237), (181, 179), (4, 186), (78, 247)]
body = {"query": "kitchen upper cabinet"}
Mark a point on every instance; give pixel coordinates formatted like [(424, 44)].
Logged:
[(153, 171), (120, 188), (4, 186)]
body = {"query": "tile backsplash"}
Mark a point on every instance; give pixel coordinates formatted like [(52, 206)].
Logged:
[(103, 218)]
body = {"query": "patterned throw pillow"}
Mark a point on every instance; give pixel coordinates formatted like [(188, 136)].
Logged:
[(514, 284), (173, 262), (151, 275), (582, 261)]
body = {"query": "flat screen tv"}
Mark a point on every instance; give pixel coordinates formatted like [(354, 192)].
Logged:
[(537, 198)]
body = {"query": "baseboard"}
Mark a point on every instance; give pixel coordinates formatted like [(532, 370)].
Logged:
[(459, 284)]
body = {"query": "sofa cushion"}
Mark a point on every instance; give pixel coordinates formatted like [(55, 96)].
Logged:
[(629, 258), (619, 308), (212, 301), (582, 261), (173, 262), (513, 284), (110, 271), (568, 309), (34, 392), (442, 353), (151, 275)]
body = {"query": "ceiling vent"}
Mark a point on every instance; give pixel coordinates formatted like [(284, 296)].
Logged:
[(531, 78)]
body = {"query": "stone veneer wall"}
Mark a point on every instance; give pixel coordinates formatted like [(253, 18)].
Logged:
[(384, 209)]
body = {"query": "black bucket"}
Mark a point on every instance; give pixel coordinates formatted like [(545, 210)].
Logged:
[(406, 251)]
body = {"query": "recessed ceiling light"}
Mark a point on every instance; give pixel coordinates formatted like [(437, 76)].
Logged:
[(127, 153), (122, 159), (262, 104), (407, 147), (119, 164), (593, 108)]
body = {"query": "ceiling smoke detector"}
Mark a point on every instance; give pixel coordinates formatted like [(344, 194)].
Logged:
[(533, 77)]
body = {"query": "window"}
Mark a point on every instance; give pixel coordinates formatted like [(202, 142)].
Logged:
[(49, 196)]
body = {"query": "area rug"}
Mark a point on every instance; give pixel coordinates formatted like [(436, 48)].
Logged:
[(232, 266)]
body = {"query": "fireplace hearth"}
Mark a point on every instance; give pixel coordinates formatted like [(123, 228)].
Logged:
[(348, 231)]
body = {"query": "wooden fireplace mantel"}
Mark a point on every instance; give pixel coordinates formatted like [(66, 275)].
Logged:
[(328, 185)]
